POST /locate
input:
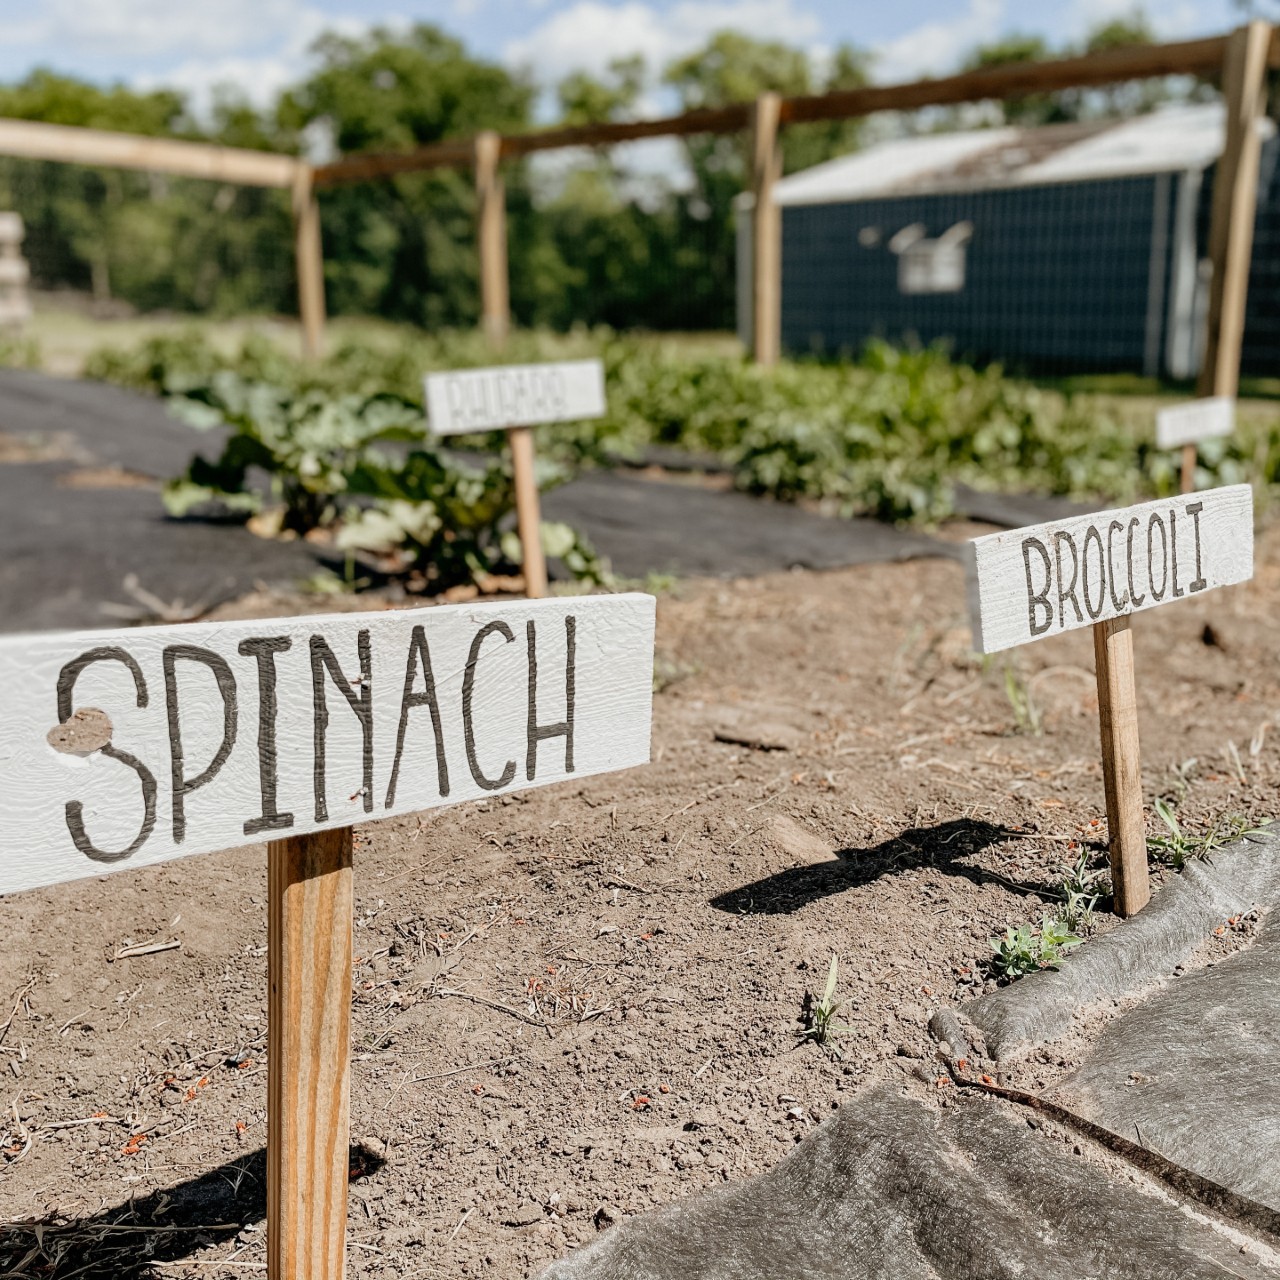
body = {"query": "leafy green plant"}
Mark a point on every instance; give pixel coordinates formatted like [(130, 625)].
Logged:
[(1080, 889), (1177, 845), (1026, 949), (820, 1015), (890, 434), (359, 470)]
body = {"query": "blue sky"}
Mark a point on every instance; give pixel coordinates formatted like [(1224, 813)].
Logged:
[(260, 45)]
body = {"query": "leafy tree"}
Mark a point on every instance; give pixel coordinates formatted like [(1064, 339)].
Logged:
[(404, 247), (586, 100)]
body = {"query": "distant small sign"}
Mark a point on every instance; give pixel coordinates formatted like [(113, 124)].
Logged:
[(1049, 578), (518, 395), (1199, 420)]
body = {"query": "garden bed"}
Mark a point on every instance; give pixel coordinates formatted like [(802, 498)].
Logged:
[(579, 1003)]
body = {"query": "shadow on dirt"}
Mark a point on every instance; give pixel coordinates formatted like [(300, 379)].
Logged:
[(124, 1243), (944, 846)]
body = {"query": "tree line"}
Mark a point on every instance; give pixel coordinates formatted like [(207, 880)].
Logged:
[(592, 240)]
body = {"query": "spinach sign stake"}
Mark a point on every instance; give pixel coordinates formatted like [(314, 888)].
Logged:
[(129, 748), (1095, 571), (515, 398)]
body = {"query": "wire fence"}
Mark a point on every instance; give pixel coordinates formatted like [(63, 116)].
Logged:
[(148, 242)]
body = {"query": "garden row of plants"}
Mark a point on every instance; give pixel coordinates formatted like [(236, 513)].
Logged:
[(339, 444)]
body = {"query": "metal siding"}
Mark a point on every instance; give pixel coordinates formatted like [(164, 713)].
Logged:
[(1056, 277)]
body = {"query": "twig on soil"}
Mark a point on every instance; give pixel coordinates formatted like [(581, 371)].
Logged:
[(146, 949), (493, 1004), (70, 1022), (13, 1013), (461, 1223)]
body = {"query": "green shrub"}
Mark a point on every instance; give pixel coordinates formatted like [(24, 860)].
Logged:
[(890, 435)]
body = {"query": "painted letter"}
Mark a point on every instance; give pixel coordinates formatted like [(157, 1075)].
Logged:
[(1040, 598), (321, 659), (468, 718), (75, 810), (564, 728), (1117, 605), (419, 655), (264, 650), (183, 787), (1067, 592)]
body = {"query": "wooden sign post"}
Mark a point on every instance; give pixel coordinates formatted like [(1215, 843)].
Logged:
[(123, 749), (515, 398), (1183, 426), (1096, 570)]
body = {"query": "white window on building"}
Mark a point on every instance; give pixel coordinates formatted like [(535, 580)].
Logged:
[(931, 266)]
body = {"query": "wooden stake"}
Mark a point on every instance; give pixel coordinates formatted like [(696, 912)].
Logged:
[(1235, 196), (309, 907), (528, 516), (1121, 764), (491, 238), (766, 232), (309, 258), (1189, 459)]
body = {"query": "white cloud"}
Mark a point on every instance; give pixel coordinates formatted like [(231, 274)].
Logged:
[(151, 28), (590, 34), (937, 47)]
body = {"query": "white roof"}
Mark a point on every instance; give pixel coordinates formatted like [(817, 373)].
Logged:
[(1171, 140)]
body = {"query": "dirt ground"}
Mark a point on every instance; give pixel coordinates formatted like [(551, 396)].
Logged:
[(582, 1002)]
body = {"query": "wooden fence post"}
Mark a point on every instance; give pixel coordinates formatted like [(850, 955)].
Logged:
[(309, 907), (1121, 764), (1235, 192), (766, 231), (309, 258), (491, 237)]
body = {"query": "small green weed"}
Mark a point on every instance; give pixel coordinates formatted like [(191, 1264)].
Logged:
[(1026, 715), (1027, 949), (819, 1016), (1177, 845), (1080, 889)]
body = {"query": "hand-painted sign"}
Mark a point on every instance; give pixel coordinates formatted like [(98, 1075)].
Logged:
[(1048, 578), (526, 395), (1198, 420), (125, 748)]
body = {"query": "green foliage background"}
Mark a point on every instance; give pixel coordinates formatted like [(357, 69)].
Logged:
[(594, 243)]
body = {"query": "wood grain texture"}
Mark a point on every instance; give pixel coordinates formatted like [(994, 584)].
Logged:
[(491, 238), (309, 910), (1235, 195), (1194, 421), (224, 733), (1121, 764), (70, 144), (309, 262), (1048, 578), (528, 512), (514, 395), (766, 231)]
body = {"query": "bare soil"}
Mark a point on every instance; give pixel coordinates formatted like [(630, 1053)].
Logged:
[(581, 1002)]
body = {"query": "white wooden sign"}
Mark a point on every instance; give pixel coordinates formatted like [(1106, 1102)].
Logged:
[(525, 395), (120, 749), (1048, 578), (1198, 420)]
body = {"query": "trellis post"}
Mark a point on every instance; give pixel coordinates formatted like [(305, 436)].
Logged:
[(766, 231), (309, 258), (491, 237), (1235, 195)]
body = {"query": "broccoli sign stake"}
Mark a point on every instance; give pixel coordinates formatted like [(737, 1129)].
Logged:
[(1095, 571)]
